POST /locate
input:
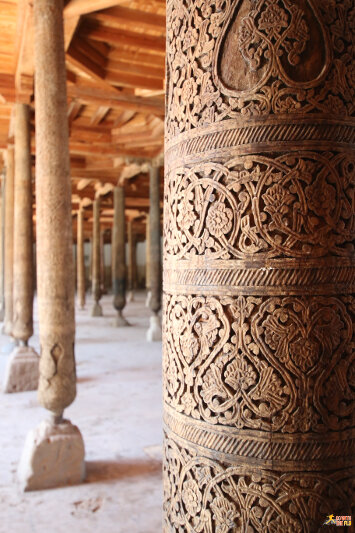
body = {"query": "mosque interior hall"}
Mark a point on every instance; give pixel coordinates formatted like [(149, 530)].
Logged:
[(177, 266)]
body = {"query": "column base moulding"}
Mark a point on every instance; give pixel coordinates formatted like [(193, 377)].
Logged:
[(53, 456), (96, 310), (22, 371)]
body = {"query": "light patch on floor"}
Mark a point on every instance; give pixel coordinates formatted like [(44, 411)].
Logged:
[(118, 410)]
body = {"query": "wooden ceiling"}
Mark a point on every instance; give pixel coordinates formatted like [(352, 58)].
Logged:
[(115, 56)]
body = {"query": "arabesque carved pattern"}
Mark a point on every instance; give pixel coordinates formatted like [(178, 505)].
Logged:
[(276, 364), (260, 206), (274, 38), (206, 496)]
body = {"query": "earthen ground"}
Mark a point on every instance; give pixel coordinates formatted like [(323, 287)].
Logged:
[(118, 410)]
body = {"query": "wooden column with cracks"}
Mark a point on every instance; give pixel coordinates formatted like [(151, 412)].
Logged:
[(132, 261), (9, 240), (119, 269), (54, 452), (259, 265), (96, 260), (154, 331), (22, 368), (80, 260)]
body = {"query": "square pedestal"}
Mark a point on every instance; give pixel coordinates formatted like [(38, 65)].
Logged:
[(22, 371)]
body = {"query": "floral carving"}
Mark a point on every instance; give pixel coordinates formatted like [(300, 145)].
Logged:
[(291, 206), (262, 363), (207, 496), (275, 33)]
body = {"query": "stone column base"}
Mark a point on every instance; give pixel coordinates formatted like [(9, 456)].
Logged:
[(53, 456), (22, 371), (148, 299), (120, 321), (96, 310), (154, 331)]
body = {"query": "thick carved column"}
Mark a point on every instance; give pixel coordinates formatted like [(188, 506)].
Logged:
[(132, 261), (22, 369), (54, 452), (80, 260), (154, 331), (96, 260), (9, 241), (259, 265), (119, 255)]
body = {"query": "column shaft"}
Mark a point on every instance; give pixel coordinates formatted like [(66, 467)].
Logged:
[(96, 259), (9, 241), (55, 267), (119, 250), (2, 252), (154, 241), (259, 265), (80, 260), (147, 254), (132, 260), (23, 230)]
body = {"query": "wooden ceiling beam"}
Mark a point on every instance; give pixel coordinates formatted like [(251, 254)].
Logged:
[(136, 56), (124, 37), (125, 79), (101, 97), (114, 66), (84, 7), (116, 16), (99, 115)]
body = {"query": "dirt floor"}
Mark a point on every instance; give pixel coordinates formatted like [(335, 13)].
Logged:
[(118, 410)]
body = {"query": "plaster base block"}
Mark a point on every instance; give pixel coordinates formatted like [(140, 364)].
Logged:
[(154, 331), (120, 321), (53, 456), (22, 371), (96, 310)]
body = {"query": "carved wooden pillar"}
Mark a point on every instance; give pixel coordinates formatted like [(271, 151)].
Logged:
[(147, 261), (9, 241), (96, 260), (259, 265), (2, 250), (154, 331), (54, 452), (132, 262), (80, 260), (119, 269), (22, 369), (102, 262)]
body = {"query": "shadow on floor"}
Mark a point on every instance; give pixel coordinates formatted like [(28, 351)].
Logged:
[(112, 470)]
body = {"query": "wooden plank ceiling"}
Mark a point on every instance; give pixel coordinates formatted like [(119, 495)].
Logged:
[(115, 55)]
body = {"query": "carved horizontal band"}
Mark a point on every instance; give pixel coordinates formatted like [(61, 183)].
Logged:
[(310, 132), (276, 451), (236, 277)]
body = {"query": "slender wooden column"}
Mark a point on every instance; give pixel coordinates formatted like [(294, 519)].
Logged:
[(154, 332), (147, 261), (102, 262), (22, 369), (132, 261), (2, 251), (54, 452), (96, 260), (259, 265), (9, 241), (119, 270), (80, 260)]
